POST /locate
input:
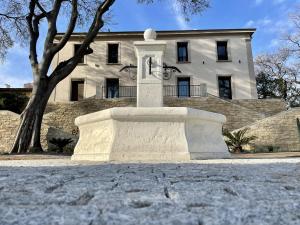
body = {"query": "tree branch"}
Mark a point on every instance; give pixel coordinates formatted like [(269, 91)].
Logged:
[(68, 66), (52, 31), (70, 29), (33, 27), (12, 17), (33, 34), (40, 7)]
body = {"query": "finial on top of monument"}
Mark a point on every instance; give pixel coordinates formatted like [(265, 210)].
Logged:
[(150, 35)]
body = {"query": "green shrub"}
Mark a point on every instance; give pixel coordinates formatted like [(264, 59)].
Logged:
[(236, 140), (14, 102), (266, 149)]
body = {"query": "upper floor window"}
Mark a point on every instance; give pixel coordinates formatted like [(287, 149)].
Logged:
[(182, 52), (113, 53), (222, 50), (76, 48)]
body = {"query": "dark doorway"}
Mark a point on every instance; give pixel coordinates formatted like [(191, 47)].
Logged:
[(77, 90), (183, 87), (225, 87), (112, 88)]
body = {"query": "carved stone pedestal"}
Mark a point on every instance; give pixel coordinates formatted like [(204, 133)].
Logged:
[(150, 134)]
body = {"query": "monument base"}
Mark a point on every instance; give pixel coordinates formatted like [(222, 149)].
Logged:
[(150, 134)]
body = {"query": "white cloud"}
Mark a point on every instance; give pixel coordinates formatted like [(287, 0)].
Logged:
[(264, 22), (19, 50), (274, 43), (278, 1), (250, 23), (181, 21), (280, 27), (259, 23), (15, 70), (267, 25), (258, 2)]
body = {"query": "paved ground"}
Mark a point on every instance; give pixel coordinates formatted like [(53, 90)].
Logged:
[(275, 155), (240, 191)]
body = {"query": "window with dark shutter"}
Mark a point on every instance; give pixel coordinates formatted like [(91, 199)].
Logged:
[(222, 50), (182, 52), (113, 54), (76, 48), (225, 91)]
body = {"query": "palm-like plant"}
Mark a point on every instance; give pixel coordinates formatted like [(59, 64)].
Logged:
[(236, 140), (60, 143)]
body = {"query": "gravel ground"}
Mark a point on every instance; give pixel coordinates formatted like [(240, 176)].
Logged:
[(239, 191)]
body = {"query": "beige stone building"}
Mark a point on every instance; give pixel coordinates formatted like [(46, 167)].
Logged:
[(196, 62)]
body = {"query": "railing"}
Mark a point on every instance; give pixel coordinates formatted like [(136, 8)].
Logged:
[(184, 91), (119, 92)]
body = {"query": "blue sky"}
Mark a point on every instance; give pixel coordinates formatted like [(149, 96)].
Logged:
[(270, 17)]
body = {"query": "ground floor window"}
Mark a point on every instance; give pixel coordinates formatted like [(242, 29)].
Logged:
[(77, 90), (225, 87), (112, 88), (183, 87)]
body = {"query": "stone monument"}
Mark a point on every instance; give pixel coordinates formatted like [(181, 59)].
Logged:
[(150, 131), (149, 80)]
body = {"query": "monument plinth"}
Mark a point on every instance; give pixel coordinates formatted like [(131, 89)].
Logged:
[(150, 131), (149, 70)]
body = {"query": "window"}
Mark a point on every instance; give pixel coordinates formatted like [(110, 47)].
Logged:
[(76, 48), (183, 86), (222, 50), (225, 87), (182, 52), (77, 90), (112, 88), (113, 54)]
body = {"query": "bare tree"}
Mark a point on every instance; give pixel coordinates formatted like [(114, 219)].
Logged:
[(12, 26), (282, 70), (293, 39), (279, 64), (88, 12)]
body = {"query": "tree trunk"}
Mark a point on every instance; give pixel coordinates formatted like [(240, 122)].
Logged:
[(29, 132)]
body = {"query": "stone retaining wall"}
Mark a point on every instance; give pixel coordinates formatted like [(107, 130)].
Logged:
[(280, 132), (9, 122), (237, 115), (62, 115), (268, 107), (58, 120)]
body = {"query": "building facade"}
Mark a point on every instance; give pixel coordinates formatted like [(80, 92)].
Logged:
[(196, 63)]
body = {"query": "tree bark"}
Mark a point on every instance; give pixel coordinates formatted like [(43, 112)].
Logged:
[(29, 132)]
